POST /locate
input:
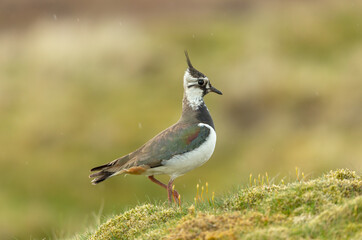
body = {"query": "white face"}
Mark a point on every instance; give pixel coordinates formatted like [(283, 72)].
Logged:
[(195, 89), (191, 82)]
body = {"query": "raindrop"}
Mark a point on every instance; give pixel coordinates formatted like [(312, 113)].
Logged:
[(55, 17)]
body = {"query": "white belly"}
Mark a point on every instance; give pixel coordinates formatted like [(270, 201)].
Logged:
[(180, 164)]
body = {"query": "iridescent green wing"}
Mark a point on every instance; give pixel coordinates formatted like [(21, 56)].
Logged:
[(178, 139)]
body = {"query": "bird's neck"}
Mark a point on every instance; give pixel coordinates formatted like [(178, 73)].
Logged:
[(195, 111), (192, 102), (193, 97)]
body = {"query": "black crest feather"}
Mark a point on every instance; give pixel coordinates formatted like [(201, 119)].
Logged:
[(192, 70), (188, 59)]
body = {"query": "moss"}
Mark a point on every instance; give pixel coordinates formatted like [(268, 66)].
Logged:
[(208, 226), (140, 221), (222, 225), (338, 221), (275, 232), (342, 174), (329, 207), (299, 197)]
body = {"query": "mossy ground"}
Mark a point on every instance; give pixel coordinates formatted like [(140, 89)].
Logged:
[(329, 207)]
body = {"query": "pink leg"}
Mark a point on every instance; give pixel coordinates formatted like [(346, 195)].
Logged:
[(176, 197), (168, 188), (173, 193), (153, 179)]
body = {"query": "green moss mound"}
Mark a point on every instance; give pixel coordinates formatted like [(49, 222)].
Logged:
[(140, 222), (329, 207), (298, 198)]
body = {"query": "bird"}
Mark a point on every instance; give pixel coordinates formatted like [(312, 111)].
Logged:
[(182, 147)]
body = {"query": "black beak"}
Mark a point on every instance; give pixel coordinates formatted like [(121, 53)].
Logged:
[(212, 89)]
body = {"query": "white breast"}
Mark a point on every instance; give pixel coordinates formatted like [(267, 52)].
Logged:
[(180, 164)]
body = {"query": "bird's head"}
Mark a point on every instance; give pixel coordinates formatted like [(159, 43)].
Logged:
[(196, 84)]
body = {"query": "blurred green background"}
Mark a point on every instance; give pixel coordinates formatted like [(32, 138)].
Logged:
[(84, 83)]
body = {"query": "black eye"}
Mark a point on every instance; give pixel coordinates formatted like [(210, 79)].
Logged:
[(200, 82)]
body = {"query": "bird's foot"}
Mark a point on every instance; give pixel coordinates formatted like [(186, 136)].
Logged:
[(176, 197)]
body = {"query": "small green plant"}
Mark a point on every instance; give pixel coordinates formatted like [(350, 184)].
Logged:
[(262, 180), (297, 173), (203, 195)]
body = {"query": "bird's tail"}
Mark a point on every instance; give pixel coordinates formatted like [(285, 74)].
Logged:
[(104, 172), (100, 176), (108, 170)]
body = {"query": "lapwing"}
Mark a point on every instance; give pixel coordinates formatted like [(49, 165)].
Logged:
[(186, 145)]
